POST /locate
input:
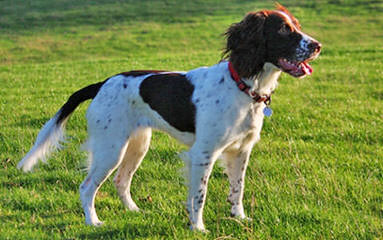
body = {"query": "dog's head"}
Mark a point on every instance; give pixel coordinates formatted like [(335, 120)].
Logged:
[(270, 36)]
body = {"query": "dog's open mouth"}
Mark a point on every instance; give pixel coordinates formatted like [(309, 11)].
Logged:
[(295, 69)]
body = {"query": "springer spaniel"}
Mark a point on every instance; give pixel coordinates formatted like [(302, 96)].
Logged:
[(218, 111)]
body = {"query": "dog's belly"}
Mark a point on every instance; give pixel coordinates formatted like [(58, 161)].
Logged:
[(157, 122)]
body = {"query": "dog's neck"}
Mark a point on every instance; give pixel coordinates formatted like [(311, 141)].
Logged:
[(265, 81)]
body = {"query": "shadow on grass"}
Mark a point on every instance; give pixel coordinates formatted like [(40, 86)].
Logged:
[(129, 231), (39, 182), (140, 230), (20, 15), (16, 15)]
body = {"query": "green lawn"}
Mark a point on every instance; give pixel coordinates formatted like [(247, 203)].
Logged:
[(316, 174)]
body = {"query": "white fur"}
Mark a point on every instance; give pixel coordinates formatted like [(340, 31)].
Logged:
[(47, 141), (228, 123)]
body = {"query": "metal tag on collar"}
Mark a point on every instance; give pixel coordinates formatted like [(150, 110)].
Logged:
[(267, 110)]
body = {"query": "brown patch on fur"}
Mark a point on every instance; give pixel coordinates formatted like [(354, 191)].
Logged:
[(293, 19)]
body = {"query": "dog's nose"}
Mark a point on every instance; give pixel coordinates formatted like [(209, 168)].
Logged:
[(315, 46)]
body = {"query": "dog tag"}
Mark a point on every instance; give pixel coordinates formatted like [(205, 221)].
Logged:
[(267, 111)]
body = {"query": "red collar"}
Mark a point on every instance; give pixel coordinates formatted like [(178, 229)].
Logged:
[(245, 88)]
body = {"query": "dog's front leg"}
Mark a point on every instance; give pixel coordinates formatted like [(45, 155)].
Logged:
[(235, 161), (236, 168), (200, 165)]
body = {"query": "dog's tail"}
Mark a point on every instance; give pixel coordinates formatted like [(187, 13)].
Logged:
[(52, 133)]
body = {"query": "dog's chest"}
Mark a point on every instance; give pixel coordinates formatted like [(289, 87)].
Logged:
[(253, 119)]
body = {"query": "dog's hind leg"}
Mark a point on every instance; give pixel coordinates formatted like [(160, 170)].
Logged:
[(106, 152), (138, 146)]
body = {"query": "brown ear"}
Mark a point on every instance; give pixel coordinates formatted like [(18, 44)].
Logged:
[(245, 46), (293, 19)]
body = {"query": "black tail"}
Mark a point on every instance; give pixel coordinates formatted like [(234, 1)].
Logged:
[(76, 98), (52, 133)]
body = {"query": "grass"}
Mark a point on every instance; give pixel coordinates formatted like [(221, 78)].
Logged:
[(316, 174)]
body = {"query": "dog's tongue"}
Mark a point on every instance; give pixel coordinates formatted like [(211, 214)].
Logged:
[(295, 69), (306, 68)]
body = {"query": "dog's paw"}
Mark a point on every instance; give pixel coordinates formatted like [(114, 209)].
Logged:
[(94, 222), (98, 224), (241, 217), (246, 219), (199, 229), (133, 208)]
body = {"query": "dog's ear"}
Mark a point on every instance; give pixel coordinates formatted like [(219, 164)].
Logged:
[(245, 46), (293, 19)]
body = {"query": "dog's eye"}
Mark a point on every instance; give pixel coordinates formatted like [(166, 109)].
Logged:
[(284, 29)]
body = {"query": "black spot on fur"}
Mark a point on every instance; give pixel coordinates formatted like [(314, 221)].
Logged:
[(124, 85), (217, 101), (106, 127), (138, 73), (197, 100), (133, 102), (98, 121), (170, 96), (221, 81)]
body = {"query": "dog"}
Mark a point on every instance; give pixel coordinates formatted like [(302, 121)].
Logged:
[(218, 111)]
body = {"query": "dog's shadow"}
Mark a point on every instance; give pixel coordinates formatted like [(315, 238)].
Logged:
[(128, 231)]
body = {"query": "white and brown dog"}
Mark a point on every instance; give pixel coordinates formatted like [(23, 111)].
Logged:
[(218, 111)]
